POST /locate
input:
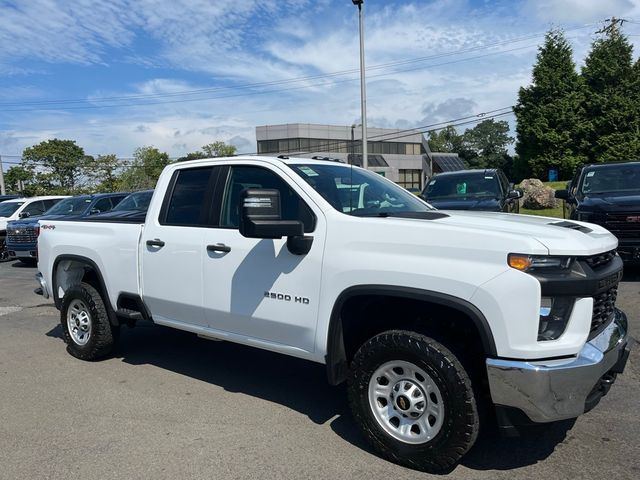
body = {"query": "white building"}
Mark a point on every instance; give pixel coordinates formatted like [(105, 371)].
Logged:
[(401, 155)]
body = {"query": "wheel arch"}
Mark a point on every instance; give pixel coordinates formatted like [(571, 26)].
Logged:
[(337, 356), (80, 269)]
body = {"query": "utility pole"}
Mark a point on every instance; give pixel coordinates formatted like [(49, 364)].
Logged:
[(3, 191), (612, 27), (363, 87)]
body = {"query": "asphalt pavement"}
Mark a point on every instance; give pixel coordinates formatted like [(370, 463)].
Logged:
[(170, 405)]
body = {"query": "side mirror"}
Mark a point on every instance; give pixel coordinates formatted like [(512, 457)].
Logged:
[(260, 217), (24, 215), (515, 194), (562, 194), (94, 211)]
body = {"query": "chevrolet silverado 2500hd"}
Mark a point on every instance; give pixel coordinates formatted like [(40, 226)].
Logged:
[(426, 314)]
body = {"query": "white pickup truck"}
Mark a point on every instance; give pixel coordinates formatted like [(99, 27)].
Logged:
[(428, 315)]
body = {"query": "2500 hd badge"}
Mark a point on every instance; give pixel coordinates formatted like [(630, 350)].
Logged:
[(286, 297)]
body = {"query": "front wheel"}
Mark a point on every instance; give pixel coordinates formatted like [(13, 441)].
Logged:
[(413, 400), (85, 323)]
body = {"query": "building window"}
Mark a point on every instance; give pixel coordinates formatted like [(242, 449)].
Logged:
[(409, 178)]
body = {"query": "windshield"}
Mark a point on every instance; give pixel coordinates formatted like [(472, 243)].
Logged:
[(135, 201), (612, 179), (359, 192), (8, 208), (474, 185), (69, 206)]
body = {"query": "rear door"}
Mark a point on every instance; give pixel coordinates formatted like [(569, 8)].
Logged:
[(172, 249), (257, 288)]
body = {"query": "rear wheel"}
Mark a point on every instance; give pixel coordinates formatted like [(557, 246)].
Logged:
[(413, 400), (85, 323)]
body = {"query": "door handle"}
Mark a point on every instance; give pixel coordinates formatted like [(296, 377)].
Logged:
[(218, 247), (156, 242)]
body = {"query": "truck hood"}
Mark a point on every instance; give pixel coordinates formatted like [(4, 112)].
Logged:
[(611, 203), (482, 204), (558, 236)]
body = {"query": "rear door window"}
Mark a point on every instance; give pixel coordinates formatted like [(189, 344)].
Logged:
[(187, 204), (34, 208)]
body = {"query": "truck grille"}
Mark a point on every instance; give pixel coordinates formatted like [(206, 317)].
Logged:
[(603, 308), (623, 225), (21, 235), (600, 260)]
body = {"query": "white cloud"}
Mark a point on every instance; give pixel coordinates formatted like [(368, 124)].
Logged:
[(580, 10), (201, 44)]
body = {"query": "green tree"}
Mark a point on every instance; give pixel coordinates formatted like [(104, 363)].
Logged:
[(192, 156), (19, 179), (486, 145), (611, 103), (144, 170), (218, 149), (103, 173), (447, 140), (215, 149), (551, 123), (60, 165)]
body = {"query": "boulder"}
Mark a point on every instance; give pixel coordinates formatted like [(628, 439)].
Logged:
[(537, 196)]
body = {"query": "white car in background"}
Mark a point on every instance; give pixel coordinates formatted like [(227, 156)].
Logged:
[(21, 208)]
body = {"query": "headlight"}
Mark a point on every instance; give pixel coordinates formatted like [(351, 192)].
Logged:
[(526, 263), (584, 216)]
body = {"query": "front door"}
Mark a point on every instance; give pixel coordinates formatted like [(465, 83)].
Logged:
[(256, 288)]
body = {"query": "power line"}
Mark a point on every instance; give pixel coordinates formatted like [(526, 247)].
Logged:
[(461, 121), (326, 147), (295, 79), (88, 107)]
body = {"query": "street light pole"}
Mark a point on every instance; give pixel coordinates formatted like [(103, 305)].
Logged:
[(363, 87), (2, 189)]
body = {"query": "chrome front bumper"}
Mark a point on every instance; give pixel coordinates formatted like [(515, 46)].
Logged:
[(552, 390)]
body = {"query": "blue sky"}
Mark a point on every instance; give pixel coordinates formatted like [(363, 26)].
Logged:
[(179, 74)]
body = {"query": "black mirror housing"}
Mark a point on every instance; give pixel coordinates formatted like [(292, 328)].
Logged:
[(562, 194), (24, 215), (514, 194), (260, 215)]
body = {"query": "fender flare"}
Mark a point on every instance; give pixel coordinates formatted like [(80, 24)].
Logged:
[(336, 359), (103, 287)]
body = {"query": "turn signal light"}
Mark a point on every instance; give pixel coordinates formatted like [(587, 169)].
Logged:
[(519, 262)]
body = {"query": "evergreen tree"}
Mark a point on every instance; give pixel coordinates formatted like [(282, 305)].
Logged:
[(550, 122), (611, 103)]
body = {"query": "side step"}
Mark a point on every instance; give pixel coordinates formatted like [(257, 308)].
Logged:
[(129, 314)]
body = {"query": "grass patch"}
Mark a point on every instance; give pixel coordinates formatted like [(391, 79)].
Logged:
[(557, 185), (546, 212)]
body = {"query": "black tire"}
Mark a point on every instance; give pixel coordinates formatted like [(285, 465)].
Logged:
[(102, 335), (31, 262), (460, 424)]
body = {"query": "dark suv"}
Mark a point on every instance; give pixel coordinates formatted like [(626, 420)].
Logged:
[(485, 190), (609, 195)]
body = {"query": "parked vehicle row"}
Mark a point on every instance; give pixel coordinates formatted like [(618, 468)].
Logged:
[(425, 314), (20, 217), (16, 208)]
